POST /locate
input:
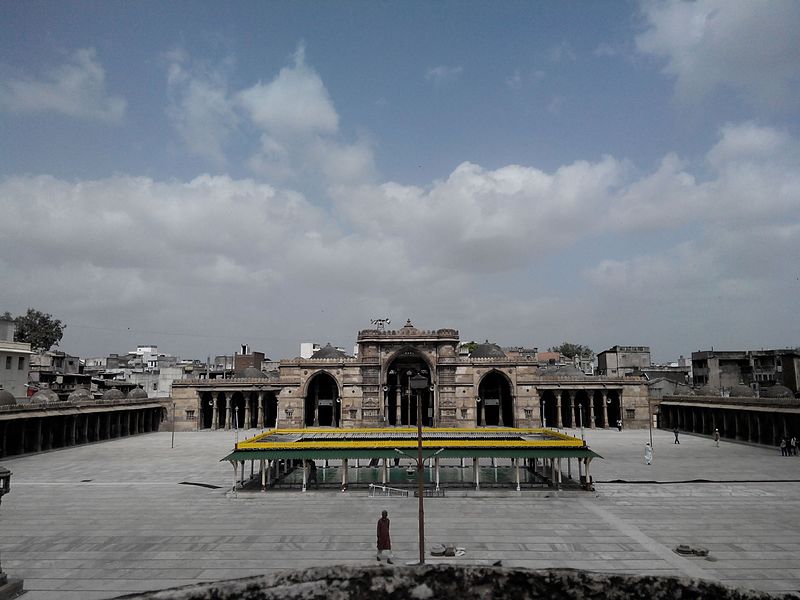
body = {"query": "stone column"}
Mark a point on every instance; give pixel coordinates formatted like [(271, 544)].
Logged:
[(344, 474), (436, 467), (247, 423), (591, 412), (476, 470), (558, 410), (575, 408), (398, 403), (480, 412), (261, 410), (227, 410), (604, 397), (73, 430), (385, 471), (516, 472), (214, 414), (37, 447)]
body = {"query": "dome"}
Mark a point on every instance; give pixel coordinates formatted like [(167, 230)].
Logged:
[(45, 395), (253, 373), (136, 393), (7, 398), (328, 352), (113, 394), (80, 395), (742, 391), (707, 390), (776, 391), (569, 371), (487, 350)]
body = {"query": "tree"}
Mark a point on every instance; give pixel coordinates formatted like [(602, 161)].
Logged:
[(39, 329), (572, 350)]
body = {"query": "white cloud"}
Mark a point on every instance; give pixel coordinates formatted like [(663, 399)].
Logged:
[(443, 74), (741, 45), (199, 106), (75, 89), (562, 52), (295, 103)]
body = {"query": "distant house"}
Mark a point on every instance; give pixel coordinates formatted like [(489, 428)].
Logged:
[(15, 360)]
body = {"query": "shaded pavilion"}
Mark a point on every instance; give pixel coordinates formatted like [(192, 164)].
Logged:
[(524, 447)]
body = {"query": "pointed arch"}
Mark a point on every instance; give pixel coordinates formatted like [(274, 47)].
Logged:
[(496, 405)]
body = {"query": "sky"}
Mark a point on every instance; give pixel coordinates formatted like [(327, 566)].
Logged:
[(201, 175)]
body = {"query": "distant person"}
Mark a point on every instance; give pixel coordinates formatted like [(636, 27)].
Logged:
[(783, 447), (619, 424), (716, 437), (675, 431), (384, 541), (793, 446), (648, 454)]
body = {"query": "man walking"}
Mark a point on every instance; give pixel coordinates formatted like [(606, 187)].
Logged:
[(384, 541), (675, 431), (648, 454), (716, 438)]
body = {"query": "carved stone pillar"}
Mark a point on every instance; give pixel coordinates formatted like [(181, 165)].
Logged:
[(397, 404), (247, 422), (603, 395), (591, 412), (558, 410), (571, 409), (261, 410), (214, 415), (227, 410)]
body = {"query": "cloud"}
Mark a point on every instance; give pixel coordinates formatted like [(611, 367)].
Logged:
[(199, 107), (711, 45), (75, 89), (294, 103), (443, 74), (592, 250), (562, 52)]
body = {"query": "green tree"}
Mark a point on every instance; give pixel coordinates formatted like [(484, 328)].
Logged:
[(571, 350), (39, 329)]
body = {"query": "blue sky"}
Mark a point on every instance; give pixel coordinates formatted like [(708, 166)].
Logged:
[(200, 175)]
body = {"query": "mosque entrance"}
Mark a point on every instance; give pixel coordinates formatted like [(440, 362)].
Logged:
[(323, 405), (400, 399), (495, 405)]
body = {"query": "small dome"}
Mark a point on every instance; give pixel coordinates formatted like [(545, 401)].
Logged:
[(7, 398), (45, 395), (569, 371), (80, 395), (742, 391), (328, 352), (487, 350), (136, 393), (113, 394), (707, 390), (776, 391), (253, 373)]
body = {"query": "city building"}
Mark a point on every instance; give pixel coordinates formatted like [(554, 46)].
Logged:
[(15, 361), (720, 371), (619, 361)]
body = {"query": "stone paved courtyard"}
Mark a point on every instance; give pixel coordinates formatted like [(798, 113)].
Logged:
[(101, 520)]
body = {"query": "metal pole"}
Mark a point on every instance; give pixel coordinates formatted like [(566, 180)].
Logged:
[(580, 418), (173, 423), (649, 418), (420, 481)]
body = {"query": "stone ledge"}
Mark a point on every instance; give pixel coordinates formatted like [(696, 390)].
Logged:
[(450, 581)]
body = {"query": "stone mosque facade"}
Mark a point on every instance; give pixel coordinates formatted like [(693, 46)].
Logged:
[(374, 389)]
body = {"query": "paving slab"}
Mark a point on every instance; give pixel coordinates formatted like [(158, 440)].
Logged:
[(101, 520)]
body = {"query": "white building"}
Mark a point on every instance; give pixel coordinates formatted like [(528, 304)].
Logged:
[(15, 361)]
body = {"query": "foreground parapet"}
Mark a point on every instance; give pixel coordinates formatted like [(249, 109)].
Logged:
[(450, 581)]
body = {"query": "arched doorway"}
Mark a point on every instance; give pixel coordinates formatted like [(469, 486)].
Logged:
[(237, 410), (323, 404), (221, 409), (582, 411), (400, 400), (613, 404), (548, 409), (496, 406)]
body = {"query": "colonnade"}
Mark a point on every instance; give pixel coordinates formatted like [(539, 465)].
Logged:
[(219, 409), (24, 434), (734, 422), (590, 408)]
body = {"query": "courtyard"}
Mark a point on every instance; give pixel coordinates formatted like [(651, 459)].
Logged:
[(134, 514)]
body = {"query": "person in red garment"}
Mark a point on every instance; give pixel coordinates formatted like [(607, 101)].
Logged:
[(384, 541)]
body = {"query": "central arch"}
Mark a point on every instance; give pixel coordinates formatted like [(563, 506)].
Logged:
[(496, 405), (400, 401), (323, 403)]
